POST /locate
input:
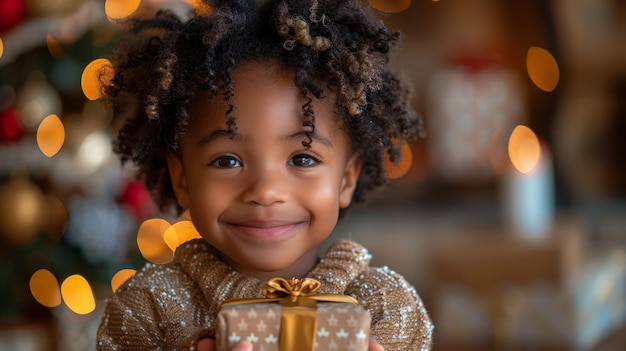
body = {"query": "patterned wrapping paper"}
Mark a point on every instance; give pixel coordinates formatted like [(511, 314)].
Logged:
[(340, 326)]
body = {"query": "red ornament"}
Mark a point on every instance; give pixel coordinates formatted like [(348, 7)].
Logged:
[(12, 12), (10, 127), (137, 199)]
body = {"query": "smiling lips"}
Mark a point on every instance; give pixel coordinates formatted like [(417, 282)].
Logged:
[(265, 230)]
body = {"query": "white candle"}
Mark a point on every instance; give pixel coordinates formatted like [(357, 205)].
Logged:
[(529, 198)]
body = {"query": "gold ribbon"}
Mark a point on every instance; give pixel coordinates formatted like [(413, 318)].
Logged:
[(299, 316)]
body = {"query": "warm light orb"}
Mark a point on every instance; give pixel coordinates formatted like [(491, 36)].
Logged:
[(22, 210), (120, 9), (1, 47), (542, 68), (95, 151), (179, 233), (393, 170), (77, 294), (151, 242), (37, 99), (200, 6), (45, 288), (524, 149), (50, 135), (94, 74), (390, 6), (121, 277), (54, 46)]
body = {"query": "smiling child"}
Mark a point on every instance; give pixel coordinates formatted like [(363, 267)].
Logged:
[(264, 122)]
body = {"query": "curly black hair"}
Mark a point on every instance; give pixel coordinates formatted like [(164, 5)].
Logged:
[(334, 46)]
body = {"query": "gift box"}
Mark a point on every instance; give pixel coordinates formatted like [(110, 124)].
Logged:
[(292, 317)]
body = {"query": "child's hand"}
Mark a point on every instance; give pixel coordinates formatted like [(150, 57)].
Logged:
[(374, 346), (209, 345)]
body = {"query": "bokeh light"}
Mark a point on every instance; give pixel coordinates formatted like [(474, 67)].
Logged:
[(10, 126), (1, 48), (390, 6), (151, 242), (45, 288), (542, 68), (397, 170), (36, 100), (50, 135), (524, 149), (120, 278), (77, 294), (200, 6), (55, 47), (95, 151), (21, 210), (179, 233), (94, 74), (120, 9)]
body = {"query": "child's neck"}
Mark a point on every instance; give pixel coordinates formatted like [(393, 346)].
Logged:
[(298, 269)]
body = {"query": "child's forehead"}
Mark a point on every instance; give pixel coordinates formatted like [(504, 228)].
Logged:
[(258, 74), (263, 69), (253, 78)]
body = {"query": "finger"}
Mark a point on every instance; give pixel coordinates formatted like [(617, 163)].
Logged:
[(242, 346), (206, 344), (375, 346)]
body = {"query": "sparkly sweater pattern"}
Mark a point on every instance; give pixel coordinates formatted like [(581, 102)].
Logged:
[(171, 306)]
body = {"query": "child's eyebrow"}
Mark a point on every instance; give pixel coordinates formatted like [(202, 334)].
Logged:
[(217, 134), (300, 135), (322, 139)]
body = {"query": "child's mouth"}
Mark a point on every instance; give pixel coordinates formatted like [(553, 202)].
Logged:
[(272, 230)]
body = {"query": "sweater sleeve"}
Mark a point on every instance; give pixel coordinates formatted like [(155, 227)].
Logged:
[(130, 322), (399, 319)]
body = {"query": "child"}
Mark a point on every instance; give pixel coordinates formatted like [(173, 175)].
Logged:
[(263, 122)]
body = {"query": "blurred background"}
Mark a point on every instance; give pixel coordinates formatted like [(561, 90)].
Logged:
[(509, 218)]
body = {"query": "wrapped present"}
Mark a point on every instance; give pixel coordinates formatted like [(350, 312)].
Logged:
[(293, 317)]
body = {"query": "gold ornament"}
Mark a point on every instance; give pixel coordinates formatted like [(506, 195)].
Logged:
[(22, 210)]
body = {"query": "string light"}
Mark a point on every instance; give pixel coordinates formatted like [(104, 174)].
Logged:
[(542, 68), (77, 294), (180, 232), (121, 277), (50, 135), (54, 47), (95, 151), (524, 149), (94, 74), (397, 170), (151, 242), (45, 288), (120, 9)]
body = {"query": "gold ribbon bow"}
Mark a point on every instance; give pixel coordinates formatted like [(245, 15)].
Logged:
[(299, 316)]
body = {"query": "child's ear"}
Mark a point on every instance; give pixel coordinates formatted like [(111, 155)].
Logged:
[(350, 179), (179, 181)]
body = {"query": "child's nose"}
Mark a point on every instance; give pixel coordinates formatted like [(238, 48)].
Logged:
[(266, 187)]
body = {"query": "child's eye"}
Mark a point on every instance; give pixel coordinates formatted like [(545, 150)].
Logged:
[(226, 162), (303, 160)]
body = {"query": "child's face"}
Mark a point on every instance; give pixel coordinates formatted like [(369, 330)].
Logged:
[(261, 198)]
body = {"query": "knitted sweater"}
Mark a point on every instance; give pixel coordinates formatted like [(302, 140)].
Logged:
[(172, 306)]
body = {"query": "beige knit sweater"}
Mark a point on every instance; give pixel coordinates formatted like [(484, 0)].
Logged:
[(170, 306)]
